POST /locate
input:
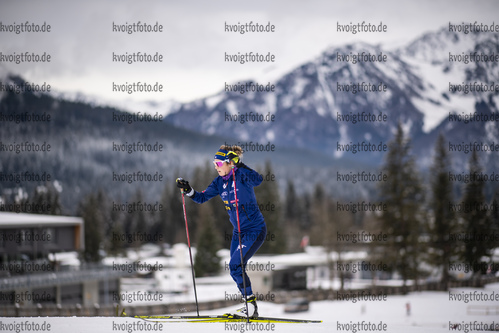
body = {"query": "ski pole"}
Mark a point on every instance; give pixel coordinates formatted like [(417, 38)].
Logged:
[(240, 244), (190, 253)]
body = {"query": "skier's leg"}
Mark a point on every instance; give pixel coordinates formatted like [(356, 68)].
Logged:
[(251, 242), (235, 261)]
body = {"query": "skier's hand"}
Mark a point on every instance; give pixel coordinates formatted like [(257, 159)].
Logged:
[(183, 184), (233, 157)]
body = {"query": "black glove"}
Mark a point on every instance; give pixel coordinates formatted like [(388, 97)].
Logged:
[(233, 157), (183, 184)]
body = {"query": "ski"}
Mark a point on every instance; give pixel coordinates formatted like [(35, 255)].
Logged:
[(223, 318)]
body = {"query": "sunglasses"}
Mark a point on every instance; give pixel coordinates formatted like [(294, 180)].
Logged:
[(218, 163)]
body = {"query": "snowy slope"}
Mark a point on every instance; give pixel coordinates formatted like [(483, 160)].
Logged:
[(308, 101), (439, 59), (430, 312), (125, 104)]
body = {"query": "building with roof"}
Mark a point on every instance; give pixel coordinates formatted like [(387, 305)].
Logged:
[(34, 266), (33, 236)]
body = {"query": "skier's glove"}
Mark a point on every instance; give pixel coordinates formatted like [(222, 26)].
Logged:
[(233, 157), (184, 185)]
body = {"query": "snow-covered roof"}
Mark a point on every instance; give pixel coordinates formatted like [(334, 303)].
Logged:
[(313, 256), (12, 220)]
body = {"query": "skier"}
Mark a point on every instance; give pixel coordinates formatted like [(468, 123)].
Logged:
[(252, 225)]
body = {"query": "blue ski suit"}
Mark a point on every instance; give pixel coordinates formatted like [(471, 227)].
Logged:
[(253, 228)]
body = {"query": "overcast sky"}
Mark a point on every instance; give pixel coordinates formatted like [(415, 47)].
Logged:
[(193, 41)]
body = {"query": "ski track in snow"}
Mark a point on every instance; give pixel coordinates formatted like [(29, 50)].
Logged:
[(430, 312)]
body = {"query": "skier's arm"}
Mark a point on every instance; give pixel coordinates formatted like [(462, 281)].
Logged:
[(249, 175), (210, 192)]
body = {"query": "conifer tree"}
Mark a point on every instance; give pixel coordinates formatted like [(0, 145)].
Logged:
[(111, 226), (47, 198), (494, 220), (402, 220), (267, 195), (474, 215), (175, 226), (116, 244), (292, 216), (92, 217), (206, 260), (327, 223), (141, 220), (291, 209), (162, 220), (305, 219), (320, 217), (169, 222), (136, 221), (444, 223)]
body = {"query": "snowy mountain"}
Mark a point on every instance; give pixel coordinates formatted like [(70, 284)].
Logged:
[(311, 114), (124, 104), (91, 146), (315, 105), (449, 63)]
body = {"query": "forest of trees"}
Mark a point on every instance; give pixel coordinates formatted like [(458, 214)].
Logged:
[(424, 224)]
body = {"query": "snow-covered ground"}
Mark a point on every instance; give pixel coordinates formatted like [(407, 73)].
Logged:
[(430, 312)]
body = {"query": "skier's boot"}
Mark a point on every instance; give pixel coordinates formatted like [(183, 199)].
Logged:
[(252, 308)]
